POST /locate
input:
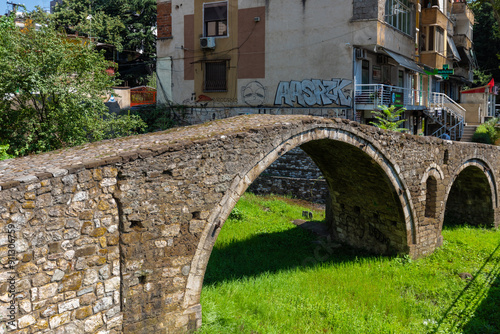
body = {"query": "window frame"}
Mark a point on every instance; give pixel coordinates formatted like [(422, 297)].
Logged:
[(211, 85), (435, 39), (399, 15), (218, 22)]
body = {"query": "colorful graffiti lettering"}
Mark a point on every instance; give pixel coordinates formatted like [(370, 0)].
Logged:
[(308, 93)]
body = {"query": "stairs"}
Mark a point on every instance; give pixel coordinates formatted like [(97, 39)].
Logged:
[(448, 121), (468, 133), (449, 115)]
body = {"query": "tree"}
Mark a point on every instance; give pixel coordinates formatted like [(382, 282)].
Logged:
[(125, 24), (388, 118), (486, 42), (52, 90)]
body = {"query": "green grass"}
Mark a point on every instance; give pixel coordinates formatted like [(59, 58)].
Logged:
[(267, 276)]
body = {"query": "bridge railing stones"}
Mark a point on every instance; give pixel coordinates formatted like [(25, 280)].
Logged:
[(115, 236)]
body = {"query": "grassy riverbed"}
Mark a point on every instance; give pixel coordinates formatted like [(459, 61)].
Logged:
[(267, 276)]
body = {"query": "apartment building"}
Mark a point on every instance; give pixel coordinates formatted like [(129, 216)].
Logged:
[(326, 58)]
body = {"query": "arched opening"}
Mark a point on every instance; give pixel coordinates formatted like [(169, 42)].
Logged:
[(470, 199), (364, 211), (369, 206), (431, 197)]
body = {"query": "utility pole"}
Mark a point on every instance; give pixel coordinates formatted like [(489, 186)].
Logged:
[(14, 5)]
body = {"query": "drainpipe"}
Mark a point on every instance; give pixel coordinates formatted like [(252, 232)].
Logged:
[(354, 85)]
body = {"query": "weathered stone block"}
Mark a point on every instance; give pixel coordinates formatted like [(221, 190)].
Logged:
[(93, 323), (59, 319), (71, 282), (26, 321), (69, 305), (102, 304), (49, 311), (112, 284), (83, 312), (196, 226), (100, 231), (47, 291), (86, 251)]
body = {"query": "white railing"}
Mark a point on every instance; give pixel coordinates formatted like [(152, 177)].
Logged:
[(370, 96), (440, 100)]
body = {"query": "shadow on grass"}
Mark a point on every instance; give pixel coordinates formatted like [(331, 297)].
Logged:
[(274, 252), (464, 314)]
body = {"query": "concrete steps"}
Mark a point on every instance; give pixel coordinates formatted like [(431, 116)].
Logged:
[(468, 133)]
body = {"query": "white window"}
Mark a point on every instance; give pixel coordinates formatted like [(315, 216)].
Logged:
[(399, 14), (215, 19)]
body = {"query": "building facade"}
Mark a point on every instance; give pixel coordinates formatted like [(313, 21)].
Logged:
[(326, 58)]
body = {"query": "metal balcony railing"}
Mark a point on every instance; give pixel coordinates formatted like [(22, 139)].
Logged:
[(370, 96), (440, 100)]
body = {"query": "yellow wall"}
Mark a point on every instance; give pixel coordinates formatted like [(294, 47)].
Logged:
[(226, 49)]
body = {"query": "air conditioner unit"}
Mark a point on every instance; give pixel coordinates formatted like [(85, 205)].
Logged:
[(360, 54), (207, 42)]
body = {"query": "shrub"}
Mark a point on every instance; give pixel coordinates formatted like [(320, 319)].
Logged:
[(487, 132), (236, 214), (158, 117), (3, 152), (388, 118)]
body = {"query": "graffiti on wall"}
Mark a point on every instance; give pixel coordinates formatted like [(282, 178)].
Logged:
[(308, 93), (254, 94)]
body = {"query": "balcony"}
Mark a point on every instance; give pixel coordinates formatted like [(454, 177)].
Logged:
[(433, 59), (434, 16), (444, 114), (370, 96)]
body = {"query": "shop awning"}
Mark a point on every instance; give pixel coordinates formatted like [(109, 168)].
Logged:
[(405, 62), (453, 48), (489, 88)]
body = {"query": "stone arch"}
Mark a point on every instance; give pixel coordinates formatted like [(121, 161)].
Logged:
[(431, 188), (473, 189), (244, 179)]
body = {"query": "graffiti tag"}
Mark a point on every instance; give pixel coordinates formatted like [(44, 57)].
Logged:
[(308, 93), (254, 94)]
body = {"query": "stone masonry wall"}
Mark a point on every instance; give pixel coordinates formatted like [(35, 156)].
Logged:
[(65, 263), (294, 174)]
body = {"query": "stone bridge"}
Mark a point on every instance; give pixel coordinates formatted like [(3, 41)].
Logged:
[(115, 236)]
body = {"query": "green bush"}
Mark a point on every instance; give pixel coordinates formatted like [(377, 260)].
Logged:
[(3, 152), (157, 117), (487, 133), (388, 118), (236, 214)]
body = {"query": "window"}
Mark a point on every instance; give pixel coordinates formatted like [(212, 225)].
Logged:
[(365, 72), (399, 14), (436, 39), (215, 19), (431, 39), (440, 39), (215, 76)]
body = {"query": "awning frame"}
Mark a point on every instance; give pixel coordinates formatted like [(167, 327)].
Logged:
[(404, 61), (454, 49)]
